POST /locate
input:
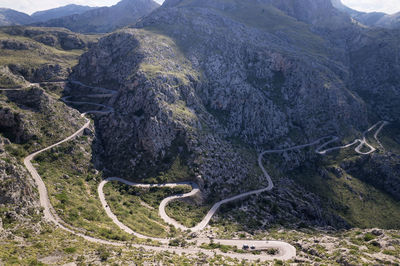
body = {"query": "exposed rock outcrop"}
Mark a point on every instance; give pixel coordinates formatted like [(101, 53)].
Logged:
[(18, 199)]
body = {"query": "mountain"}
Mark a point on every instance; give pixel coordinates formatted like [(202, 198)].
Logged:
[(204, 75), (389, 21), (12, 17), (292, 99), (55, 13), (372, 19), (105, 19)]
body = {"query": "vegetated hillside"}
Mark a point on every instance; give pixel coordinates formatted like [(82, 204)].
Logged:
[(11, 17), (41, 54), (30, 119), (105, 19), (59, 12)]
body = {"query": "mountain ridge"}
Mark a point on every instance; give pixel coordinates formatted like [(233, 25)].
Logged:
[(83, 19), (105, 19), (371, 19), (12, 17), (72, 9)]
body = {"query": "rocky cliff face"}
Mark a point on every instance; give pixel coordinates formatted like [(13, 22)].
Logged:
[(376, 77), (18, 200), (34, 118), (202, 76)]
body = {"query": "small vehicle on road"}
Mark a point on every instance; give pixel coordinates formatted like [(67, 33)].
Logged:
[(245, 247), (252, 247)]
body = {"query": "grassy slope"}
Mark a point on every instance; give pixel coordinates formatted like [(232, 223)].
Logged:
[(72, 186), (138, 208), (40, 55), (359, 203), (185, 213), (388, 137)]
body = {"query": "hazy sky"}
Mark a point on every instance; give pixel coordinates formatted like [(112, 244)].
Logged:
[(387, 6), (30, 6)]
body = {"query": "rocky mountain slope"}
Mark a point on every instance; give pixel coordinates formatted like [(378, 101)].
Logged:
[(200, 88), (105, 19), (59, 12), (201, 76), (11, 17)]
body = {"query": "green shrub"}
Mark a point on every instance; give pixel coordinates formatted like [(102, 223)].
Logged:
[(272, 251), (368, 237), (103, 253), (35, 262), (70, 250)]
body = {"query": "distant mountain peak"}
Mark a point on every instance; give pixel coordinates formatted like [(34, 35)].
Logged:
[(58, 12), (105, 19), (371, 19), (12, 17)]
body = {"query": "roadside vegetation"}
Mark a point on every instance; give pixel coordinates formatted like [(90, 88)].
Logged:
[(45, 245), (138, 207), (72, 184), (187, 214)]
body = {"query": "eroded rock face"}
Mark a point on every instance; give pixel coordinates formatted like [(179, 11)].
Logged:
[(44, 73), (226, 84), (17, 196), (248, 88), (376, 77), (12, 126), (34, 116), (16, 45)]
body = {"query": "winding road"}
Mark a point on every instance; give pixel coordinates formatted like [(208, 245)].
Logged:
[(286, 251), (11, 89)]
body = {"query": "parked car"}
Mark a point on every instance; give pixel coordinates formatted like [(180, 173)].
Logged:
[(245, 246), (253, 247)]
